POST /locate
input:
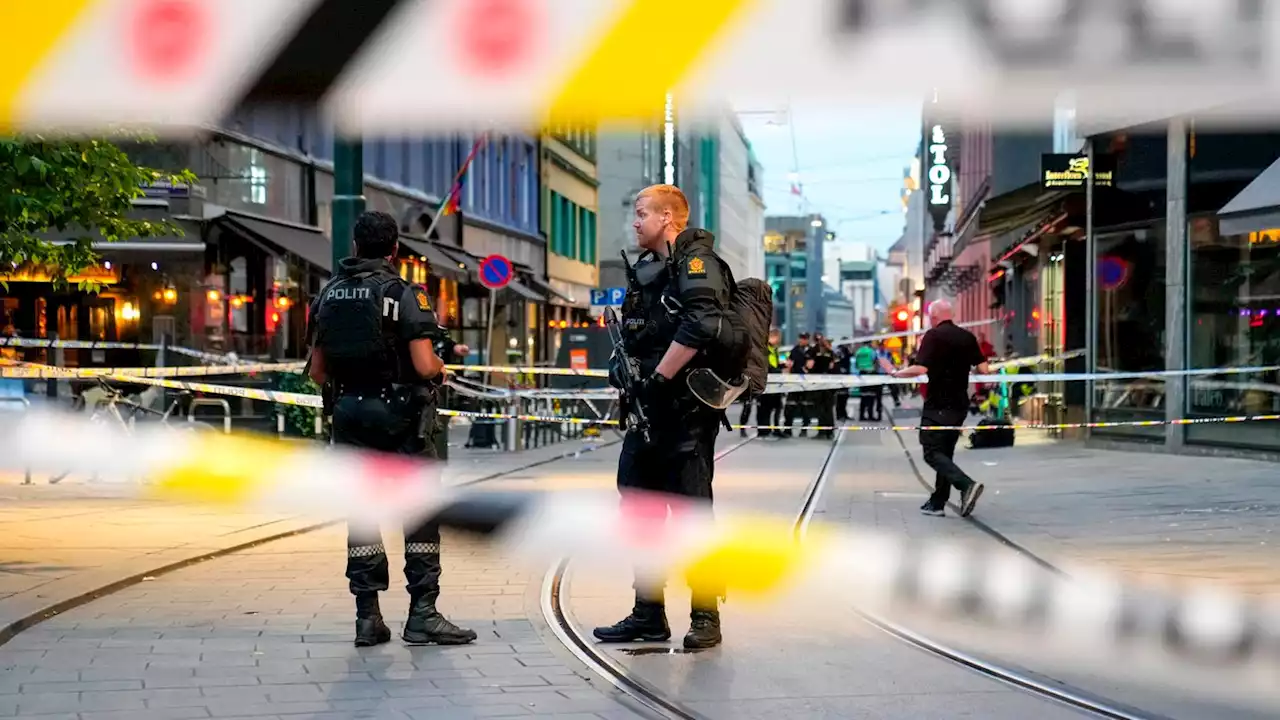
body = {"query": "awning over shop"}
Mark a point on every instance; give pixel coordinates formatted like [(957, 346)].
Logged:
[(306, 242), (545, 288), (441, 263), (470, 265), (1256, 208), (523, 291), (189, 242), (1018, 209), (463, 260)]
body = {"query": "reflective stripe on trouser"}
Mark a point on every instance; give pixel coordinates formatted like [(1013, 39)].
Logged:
[(367, 568)]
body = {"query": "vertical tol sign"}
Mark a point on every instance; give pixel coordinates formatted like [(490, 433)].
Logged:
[(938, 161)]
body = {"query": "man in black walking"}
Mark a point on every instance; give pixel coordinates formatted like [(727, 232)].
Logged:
[(947, 353)]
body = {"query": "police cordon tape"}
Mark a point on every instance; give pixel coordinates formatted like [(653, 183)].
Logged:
[(112, 345), (83, 65), (230, 365), (1190, 635), (314, 401)]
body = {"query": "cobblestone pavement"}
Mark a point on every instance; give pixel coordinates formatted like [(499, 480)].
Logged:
[(824, 663), (266, 633), (1183, 516)]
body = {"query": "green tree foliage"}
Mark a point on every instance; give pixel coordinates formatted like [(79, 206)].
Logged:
[(82, 185)]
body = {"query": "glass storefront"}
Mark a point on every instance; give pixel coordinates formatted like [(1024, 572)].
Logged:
[(1234, 321), (1131, 327)]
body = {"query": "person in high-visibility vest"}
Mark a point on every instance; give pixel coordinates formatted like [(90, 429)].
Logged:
[(769, 407)]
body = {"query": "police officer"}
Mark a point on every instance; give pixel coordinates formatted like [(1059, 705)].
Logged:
[(372, 337), (798, 363), (769, 406), (823, 363), (672, 322)]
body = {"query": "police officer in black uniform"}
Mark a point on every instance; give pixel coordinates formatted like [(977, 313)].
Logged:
[(673, 317), (798, 402), (824, 401), (372, 346)]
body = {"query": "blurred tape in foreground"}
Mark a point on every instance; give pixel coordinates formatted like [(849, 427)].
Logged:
[(518, 63), (984, 597)]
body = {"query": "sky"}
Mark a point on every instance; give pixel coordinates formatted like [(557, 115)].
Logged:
[(850, 161)]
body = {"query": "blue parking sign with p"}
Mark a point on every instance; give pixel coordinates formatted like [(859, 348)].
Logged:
[(608, 296)]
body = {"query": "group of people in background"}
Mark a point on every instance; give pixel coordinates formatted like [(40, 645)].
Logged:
[(817, 355)]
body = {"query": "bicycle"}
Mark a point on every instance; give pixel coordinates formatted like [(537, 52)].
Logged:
[(108, 410)]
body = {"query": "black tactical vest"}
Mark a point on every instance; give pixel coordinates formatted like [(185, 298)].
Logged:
[(648, 327), (356, 331)]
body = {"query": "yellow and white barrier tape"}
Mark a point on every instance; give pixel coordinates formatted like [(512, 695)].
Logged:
[(86, 64), (314, 401), (1197, 636), (31, 371), (201, 355)]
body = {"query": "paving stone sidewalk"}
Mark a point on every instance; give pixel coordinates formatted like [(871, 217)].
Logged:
[(267, 634), (1194, 517), (60, 542)]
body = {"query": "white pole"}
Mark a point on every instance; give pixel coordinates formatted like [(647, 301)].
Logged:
[(488, 353)]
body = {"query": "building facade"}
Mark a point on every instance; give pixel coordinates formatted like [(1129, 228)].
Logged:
[(793, 268), (1188, 277), (570, 203), (256, 246), (741, 206), (626, 163)]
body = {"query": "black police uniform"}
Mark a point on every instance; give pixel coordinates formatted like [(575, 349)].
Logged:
[(363, 322), (844, 365), (682, 300), (799, 402), (824, 362)]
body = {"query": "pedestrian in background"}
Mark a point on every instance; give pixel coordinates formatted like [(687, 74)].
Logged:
[(798, 363), (822, 363), (947, 353)]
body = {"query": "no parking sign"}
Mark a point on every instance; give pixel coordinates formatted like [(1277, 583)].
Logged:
[(495, 272)]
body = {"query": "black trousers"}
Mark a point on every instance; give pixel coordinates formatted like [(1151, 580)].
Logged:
[(799, 405), (680, 461), (842, 405), (870, 402), (388, 425), (939, 452), (768, 409), (825, 410)]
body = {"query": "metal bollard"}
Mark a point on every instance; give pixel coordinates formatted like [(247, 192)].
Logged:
[(280, 425), (319, 425), (513, 435)]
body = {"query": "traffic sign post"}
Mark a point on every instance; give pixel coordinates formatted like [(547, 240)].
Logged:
[(495, 274)]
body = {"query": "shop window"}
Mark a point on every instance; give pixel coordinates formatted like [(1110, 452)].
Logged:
[(1131, 325), (257, 178), (1234, 321)]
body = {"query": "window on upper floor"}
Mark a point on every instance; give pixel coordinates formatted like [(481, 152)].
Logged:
[(528, 187), (257, 176), (580, 140), (586, 236), (497, 206)]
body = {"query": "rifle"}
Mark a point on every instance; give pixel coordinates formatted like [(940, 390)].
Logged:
[(628, 375)]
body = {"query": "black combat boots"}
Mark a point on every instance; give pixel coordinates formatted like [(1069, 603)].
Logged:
[(646, 623), (370, 629), (426, 626), (704, 625)]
